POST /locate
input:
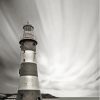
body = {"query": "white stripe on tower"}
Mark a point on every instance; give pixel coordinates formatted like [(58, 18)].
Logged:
[(29, 83), (28, 56)]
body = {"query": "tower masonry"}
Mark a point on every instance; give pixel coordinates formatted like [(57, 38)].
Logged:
[(28, 82)]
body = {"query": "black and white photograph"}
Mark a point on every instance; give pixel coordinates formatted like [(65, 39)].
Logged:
[(49, 49)]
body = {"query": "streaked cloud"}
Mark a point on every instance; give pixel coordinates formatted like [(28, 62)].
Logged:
[(67, 51)]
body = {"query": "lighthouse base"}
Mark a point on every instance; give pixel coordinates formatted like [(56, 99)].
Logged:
[(29, 95)]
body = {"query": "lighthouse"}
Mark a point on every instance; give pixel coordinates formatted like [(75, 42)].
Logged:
[(28, 88)]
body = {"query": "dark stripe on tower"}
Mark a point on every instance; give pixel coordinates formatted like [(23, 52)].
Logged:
[(28, 69), (28, 44)]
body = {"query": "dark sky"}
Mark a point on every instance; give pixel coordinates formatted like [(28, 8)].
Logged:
[(67, 51)]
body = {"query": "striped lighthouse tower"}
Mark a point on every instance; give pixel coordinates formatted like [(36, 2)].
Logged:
[(28, 83)]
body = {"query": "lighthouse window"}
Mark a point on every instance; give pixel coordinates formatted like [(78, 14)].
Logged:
[(24, 60), (38, 98)]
